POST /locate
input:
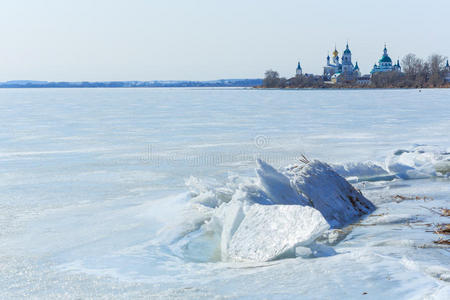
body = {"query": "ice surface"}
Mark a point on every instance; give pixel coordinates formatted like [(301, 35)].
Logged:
[(271, 231), (94, 203)]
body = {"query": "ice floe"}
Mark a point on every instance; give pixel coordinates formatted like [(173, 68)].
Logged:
[(268, 217), (420, 161), (281, 213), (270, 231), (329, 193)]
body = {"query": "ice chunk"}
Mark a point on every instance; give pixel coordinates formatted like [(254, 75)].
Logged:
[(314, 250), (231, 216), (359, 171), (329, 193), (277, 186), (419, 162), (303, 252), (270, 231), (268, 216)]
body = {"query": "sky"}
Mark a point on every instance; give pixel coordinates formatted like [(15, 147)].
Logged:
[(106, 40)]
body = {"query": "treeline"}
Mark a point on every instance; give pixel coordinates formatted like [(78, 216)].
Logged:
[(416, 73), (273, 80)]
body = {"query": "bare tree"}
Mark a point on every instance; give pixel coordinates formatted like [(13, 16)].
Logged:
[(417, 71), (412, 65), (408, 63), (283, 82), (436, 64), (388, 80), (271, 79)]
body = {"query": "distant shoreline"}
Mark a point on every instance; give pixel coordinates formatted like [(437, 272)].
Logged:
[(336, 87), (256, 84), (133, 84)]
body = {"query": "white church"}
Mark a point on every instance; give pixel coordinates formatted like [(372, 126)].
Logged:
[(341, 70)]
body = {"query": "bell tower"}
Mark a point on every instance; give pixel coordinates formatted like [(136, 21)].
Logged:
[(347, 65), (299, 70)]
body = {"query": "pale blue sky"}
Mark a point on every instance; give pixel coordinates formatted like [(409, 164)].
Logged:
[(207, 39)]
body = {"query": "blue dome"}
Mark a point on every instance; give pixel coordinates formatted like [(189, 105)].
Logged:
[(347, 50), (385, 59)]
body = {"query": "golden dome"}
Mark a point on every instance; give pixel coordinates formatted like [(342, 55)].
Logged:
[(335, 52)]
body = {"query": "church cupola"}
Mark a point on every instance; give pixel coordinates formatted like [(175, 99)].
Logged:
[(385, 60), (347, 65), (385, 63), (347, 56), (298, 71), (335, 56), (335, 52), (347, 50)]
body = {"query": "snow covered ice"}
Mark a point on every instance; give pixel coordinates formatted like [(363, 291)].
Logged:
[(153, 193)]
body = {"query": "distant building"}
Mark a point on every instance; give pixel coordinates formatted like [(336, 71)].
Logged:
[(299, 70), (447, 69), (344, 70), (332, 68), (385, 64), (363, 80)]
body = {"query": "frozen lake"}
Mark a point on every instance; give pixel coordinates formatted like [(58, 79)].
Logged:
[(96, 184)]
